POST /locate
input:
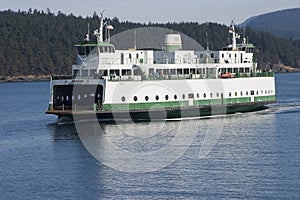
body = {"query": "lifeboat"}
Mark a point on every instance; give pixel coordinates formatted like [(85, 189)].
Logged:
[(227, 75)]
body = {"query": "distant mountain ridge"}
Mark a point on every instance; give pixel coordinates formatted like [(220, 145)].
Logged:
[(283, 23)]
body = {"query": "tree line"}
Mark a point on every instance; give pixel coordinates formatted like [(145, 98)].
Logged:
[(41, 42)]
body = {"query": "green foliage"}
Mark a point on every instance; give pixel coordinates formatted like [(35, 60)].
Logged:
[(41, 42), (284, 23)]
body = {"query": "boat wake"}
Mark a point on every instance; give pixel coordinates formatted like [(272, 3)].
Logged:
[(284, 107)]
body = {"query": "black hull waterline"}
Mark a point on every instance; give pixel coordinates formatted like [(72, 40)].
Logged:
[(157, 114)]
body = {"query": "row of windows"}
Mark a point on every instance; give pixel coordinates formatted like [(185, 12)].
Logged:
[(152, 71), (211, 95)]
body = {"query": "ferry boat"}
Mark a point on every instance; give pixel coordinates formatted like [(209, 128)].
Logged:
[(166, 83)]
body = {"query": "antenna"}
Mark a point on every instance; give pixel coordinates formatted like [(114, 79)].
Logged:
[(99, 33), (206, 34), (87, 36), (134, 42), (232, 31)]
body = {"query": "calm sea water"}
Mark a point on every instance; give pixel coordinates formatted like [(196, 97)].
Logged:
[(242, 156)]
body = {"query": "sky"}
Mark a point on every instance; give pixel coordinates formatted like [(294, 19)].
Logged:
[(220, 11)]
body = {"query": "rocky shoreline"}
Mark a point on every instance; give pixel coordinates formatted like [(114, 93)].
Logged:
[(22, 78)]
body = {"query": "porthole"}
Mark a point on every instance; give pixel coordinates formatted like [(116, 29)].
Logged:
[(175, 96), (266, 92), (257, 92), (198, 95), (247, 93), (241, 93), (211, 95), (167, 97), (235, 94), (123, 98), (262, 92), (146, 98), (157, 97), (135, 98), (229, 94), (183, 96), (217, 94), (204, 95)]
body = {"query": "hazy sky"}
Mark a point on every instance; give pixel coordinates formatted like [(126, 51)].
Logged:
[(221, 11)]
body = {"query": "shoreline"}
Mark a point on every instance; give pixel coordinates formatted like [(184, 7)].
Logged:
[(23, 78), (38, 78)]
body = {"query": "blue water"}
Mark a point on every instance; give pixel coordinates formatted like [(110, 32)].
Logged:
[(248, 156)]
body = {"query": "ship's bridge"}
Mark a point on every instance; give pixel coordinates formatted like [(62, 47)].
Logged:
[(87, 47)]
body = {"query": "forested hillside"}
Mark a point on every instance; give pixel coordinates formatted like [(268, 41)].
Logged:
[(41, 43), (284, 23)]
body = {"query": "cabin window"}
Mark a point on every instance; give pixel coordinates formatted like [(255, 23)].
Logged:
[(135, 98), (186, 71), (175, 96), (179, 71), (123, 98), (159, 71), (204, 71), (122, 58), (183, 96), (257, 92), (211, 95), (130, 56), (204, 95), (235, 70), (198, 95), (166, 71), (126, 72), (114, 72), (247, 93), (157, 97), (222, 55), (84, 72), (193, 71), (229, 94), (146, 98), (199, 71), (137, 56), (235, 93), (217, 94), (241, 70), (93, 72), (136, 72), (167, 97), (241, 93), (173, 71), (247, 70)]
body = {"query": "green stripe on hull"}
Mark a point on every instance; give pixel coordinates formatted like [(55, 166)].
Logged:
[(144, 106), (176, 104), (264, 98)]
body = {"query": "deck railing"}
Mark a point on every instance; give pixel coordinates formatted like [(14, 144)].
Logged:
[(161, 77)]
